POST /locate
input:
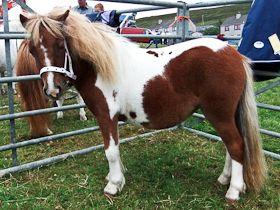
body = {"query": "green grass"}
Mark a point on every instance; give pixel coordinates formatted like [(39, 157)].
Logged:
[(171, 170)]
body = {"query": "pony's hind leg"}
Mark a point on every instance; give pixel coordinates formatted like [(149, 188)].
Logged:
[(224, 178), (235, 147), (82, 112), (234, 143), (225, 125)]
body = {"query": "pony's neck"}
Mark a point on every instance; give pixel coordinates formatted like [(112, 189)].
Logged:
[(84, 72)]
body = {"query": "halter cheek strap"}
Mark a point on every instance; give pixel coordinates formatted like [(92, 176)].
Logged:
[(62, 70)]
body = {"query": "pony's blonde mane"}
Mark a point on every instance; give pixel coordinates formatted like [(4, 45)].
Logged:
[(90, 41)]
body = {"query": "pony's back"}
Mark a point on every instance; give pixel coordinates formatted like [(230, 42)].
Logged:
[(30, 92)]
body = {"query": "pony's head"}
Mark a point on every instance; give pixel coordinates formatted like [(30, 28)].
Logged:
[(48, 47), (93, 43)]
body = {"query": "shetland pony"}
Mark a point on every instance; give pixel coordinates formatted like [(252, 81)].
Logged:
[(32, 96), (157, 90)]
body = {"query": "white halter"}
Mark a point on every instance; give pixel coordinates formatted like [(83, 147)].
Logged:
[(62, 70)]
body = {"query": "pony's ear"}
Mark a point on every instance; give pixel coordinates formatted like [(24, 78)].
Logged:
[(63, 17), (23, 19)]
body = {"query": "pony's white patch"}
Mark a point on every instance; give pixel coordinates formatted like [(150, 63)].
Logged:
[(214, 44), (136, 68), (51, 87), (116, 177), (224, 178), (107, 90), (47, 60), (237, 184)]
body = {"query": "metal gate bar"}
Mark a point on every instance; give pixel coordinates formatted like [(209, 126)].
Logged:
[(10, 87), (217, 138)]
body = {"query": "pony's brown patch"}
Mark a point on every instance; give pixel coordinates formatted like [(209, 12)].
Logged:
[(152, 53), (95, 101), (182, 94)]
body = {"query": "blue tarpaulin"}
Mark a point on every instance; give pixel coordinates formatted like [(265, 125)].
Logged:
[(263, 21)]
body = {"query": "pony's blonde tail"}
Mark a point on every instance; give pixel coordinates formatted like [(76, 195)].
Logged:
[(31, 93), (247, 120)]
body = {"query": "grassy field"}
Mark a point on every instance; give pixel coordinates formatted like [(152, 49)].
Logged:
[(171, 170)]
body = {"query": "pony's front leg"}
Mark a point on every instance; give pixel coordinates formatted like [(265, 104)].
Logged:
[(115, 177)]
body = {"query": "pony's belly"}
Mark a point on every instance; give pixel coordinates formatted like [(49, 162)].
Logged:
[(164, 106)]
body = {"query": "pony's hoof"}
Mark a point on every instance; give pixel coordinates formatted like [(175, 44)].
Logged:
[(83, 118), (231, 202), (223, 180), (107, 177), (244, 188), (59, 115), (232, 194), (113, 188)]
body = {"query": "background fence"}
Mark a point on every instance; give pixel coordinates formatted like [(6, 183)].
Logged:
[(182, 34)]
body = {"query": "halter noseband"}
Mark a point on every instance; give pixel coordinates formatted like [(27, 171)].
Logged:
[(62, 70)]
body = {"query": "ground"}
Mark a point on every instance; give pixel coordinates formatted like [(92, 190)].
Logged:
[(170, 170)]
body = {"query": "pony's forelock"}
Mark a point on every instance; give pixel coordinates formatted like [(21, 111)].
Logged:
[(35, 21)]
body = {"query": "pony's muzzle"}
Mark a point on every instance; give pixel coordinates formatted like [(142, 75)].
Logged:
[(53, 93)]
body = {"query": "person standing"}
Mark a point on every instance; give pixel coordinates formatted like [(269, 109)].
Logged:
[(83, 8)]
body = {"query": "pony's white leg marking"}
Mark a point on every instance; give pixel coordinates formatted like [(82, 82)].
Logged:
[(224, 178), (59, 103), (82, 112), (116, 177), (237, 184)]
